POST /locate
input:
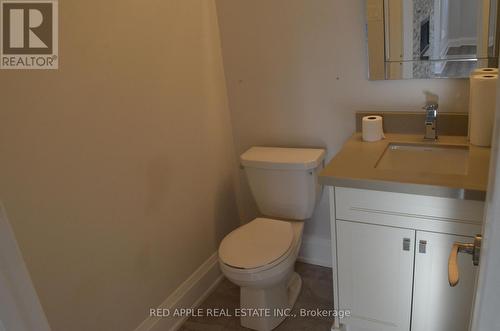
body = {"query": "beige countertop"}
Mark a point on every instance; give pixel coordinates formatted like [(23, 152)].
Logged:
[(355, 166)]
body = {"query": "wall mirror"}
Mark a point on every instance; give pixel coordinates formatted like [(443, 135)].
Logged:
[(416, 39)]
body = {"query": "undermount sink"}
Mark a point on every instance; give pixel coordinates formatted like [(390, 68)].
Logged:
[(422, 158)]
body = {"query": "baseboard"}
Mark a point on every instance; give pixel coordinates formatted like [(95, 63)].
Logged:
[(190, 294), (316, 250)]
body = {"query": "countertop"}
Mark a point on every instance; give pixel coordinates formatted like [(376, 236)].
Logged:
[(355, 166)]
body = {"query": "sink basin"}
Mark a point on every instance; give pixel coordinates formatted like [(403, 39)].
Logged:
[(422, 158)]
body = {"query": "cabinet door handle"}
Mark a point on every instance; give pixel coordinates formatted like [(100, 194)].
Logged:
[(470, 248), (422, 246), (406, 244)]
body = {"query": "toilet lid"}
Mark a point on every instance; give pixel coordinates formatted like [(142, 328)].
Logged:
[(256, 244)]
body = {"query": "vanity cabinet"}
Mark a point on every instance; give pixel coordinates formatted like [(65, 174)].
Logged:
[(390, 258)]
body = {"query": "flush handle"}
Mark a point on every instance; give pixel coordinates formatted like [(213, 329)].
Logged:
[(470, 248)]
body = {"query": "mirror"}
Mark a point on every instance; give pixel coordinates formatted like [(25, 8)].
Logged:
[(416, 39)]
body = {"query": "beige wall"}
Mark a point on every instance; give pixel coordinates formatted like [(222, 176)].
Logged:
[(116, 170), (296, 72)]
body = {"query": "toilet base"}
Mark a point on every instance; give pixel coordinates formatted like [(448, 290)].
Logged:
[(271, 303)]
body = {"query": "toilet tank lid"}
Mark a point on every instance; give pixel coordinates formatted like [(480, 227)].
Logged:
[(282, 158)]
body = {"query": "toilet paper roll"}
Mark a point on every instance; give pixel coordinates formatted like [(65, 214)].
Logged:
[(482, 108), (372, 128), (484, 71)]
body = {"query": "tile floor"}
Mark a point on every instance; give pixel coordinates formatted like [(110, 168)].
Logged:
[(316, 294)]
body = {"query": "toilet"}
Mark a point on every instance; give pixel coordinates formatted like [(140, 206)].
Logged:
[(260, 255)]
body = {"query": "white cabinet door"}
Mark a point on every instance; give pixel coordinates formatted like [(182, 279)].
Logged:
[(375, 276), (436, 305)]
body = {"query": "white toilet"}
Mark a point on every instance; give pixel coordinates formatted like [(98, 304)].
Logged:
[(260, 255)]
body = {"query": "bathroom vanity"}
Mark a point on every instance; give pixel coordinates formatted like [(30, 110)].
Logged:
[(397, 207)]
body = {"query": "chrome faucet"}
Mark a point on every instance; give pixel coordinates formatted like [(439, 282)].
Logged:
[(431, 112)]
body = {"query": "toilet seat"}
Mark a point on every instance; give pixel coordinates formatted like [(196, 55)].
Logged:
[(257, 243)]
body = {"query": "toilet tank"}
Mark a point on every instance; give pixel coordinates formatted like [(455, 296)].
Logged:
[(284, 181)]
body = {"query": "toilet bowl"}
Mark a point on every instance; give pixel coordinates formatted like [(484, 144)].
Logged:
[(260, 255), (268, 284)]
